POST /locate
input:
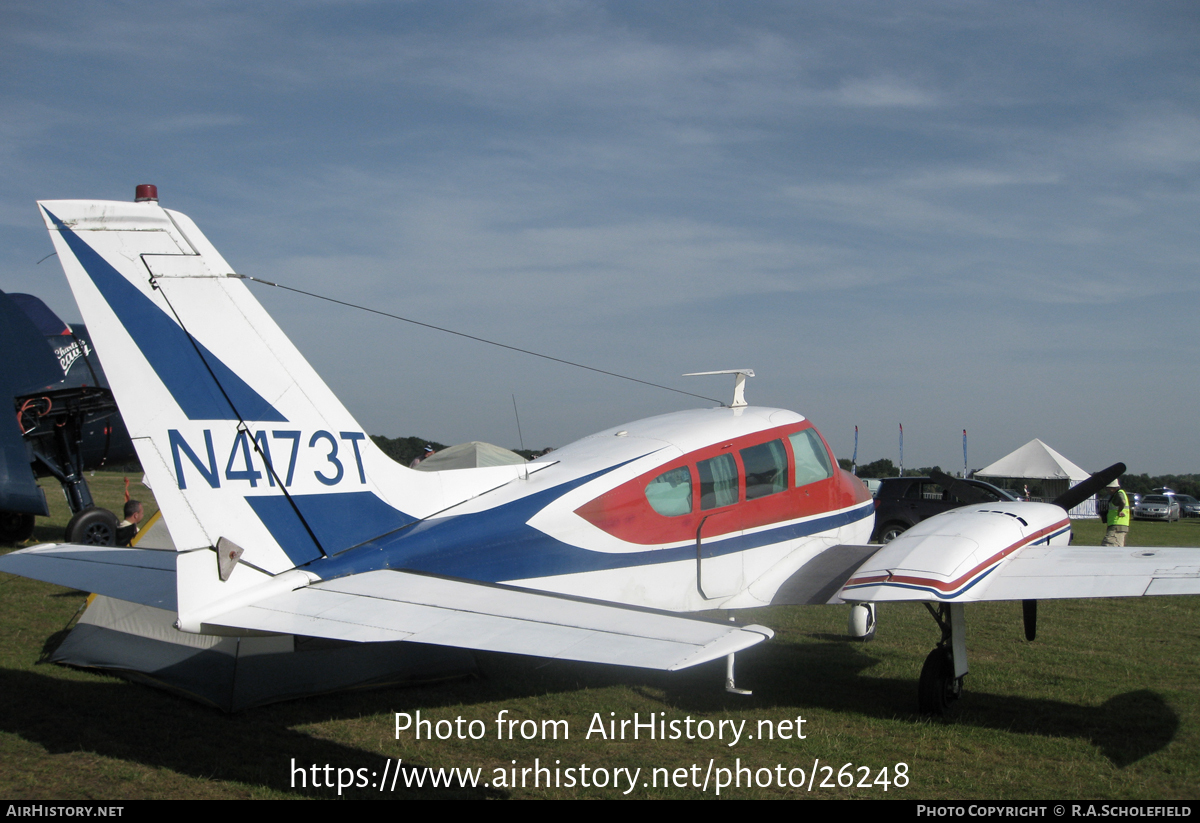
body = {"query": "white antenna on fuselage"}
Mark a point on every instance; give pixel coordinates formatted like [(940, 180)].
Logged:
[(739, 383)]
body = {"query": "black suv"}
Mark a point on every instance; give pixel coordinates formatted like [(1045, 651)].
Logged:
[(903, 502)]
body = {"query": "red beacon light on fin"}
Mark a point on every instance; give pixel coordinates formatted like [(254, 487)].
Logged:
[(146, 193)]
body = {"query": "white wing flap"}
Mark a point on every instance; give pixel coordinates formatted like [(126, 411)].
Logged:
[(390, 605), (1047, 573)]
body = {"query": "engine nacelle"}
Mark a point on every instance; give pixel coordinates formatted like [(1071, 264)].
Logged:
[(947, 557)]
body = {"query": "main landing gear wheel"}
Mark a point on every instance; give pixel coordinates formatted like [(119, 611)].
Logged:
[(938, 688), (862, 621), (15, 527), (941, 680), (93, 527)]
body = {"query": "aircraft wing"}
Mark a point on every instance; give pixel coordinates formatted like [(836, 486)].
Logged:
[(1014, 551), (1051, 572), (397, 605)]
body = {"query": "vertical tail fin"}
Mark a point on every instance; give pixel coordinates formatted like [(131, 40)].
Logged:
[(239, 437)]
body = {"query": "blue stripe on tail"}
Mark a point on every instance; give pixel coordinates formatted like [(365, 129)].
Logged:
[(169, 350)]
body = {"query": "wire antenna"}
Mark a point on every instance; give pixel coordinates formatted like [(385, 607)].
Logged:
[(471, 337)]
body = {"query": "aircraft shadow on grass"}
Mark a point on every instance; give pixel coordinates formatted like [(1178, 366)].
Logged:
[(831, 676), (130, 723)]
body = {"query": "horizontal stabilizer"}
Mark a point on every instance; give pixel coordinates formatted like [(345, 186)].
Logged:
[(144, 576), (393, 605)]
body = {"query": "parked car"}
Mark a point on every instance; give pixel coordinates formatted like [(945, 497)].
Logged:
[(1157, 507), (1188, 505), (903, 502)]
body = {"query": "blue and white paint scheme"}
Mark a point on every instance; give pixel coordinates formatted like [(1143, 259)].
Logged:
[(287, 518)]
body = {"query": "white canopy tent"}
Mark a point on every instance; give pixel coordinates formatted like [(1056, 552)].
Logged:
[(1037, 461), (469, 456)]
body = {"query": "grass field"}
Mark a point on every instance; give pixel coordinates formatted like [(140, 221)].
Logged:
[(1104, 704)]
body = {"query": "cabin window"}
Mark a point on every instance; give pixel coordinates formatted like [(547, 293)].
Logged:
[(670, 494), (766, 469), (718, 482), (812, 460)]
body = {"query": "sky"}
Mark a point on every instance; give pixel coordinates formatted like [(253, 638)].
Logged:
[(960, 215)]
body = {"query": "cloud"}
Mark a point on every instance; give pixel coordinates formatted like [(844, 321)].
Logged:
[(887, 92), (831, 191)]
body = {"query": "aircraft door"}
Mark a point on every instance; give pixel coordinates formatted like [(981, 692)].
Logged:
[(719, 568), (719, 572)]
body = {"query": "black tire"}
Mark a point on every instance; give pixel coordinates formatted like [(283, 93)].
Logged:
[(15, 527), (938, 688), (93, 527), (870, 635), (891, 531)]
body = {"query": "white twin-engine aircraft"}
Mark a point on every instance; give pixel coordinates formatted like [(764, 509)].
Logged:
[(288, 519)]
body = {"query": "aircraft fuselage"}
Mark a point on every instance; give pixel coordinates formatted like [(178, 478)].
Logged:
[(710, 508)]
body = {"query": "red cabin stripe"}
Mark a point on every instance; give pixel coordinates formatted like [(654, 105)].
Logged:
[(625, 512)]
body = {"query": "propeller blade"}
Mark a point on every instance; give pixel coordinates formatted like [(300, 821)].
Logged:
[(963, 491), (1075, 495), (1029, 614)]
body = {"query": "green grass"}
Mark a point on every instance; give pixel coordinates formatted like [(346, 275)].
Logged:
[(1103, 705)]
